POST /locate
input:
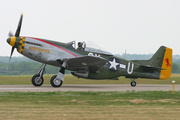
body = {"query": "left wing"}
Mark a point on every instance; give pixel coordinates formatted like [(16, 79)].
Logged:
[(93, 63), (90, 63)]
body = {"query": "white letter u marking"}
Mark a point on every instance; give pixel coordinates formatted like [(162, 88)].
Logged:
[(128, 70)]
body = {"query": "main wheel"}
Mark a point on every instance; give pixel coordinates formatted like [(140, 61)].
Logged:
[(133, 83), (36, 81), (55, 82)]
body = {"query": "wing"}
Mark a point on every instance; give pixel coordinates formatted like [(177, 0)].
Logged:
[(86, 62)]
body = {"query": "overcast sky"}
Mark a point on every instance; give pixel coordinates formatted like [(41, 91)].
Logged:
[(140, 26)]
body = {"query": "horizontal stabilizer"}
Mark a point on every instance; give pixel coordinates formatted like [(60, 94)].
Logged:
[(151, 67)]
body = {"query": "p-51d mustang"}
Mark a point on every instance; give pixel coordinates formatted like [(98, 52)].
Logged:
[(86, 61)]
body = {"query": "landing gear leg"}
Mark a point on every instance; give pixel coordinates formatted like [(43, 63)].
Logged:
[(133, 83), (37, 80), (57, 80)]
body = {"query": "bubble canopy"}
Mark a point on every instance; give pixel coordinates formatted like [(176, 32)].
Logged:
[(94, 47), (91, 47)]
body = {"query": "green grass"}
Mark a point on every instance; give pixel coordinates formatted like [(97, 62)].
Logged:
[(161, 105), (26, 79), (90, 105), (93, 98)]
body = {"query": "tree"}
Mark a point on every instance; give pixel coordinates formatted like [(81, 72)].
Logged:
[(175, 68)]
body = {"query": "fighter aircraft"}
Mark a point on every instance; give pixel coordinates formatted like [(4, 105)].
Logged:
[(87, 60)]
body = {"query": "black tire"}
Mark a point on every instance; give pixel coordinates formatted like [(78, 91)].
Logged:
[(36, 81), (56, 82), (133, 84)]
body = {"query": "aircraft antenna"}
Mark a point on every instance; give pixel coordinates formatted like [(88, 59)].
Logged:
[(125, 54)]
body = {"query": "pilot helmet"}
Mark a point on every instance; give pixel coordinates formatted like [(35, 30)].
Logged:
[(79, 44)]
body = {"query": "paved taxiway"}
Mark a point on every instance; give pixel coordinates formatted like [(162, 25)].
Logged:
[(99, 87)]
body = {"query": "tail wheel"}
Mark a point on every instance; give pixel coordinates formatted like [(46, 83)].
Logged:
[(55, 82), (37, 81), (133, 83)]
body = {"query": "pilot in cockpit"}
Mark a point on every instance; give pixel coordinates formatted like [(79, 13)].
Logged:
[(80, 44)]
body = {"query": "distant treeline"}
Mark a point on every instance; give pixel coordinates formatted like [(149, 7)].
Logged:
[(25, 66)]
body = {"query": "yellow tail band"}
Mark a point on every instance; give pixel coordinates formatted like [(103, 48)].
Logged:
[(167, 64)]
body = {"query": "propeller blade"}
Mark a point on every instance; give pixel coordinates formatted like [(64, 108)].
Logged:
[(19, 27), (10, 34), (12, 50)]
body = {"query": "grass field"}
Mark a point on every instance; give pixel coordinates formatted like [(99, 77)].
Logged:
[(149, 105), (26, 79)]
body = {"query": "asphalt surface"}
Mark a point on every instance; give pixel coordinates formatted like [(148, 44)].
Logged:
[(99, 87)]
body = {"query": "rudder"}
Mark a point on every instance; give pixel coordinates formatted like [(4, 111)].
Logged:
[(166, 65)]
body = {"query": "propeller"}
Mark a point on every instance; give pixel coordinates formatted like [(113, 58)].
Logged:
[(16, 35), (19, 27), (10, 34), (12, 50)]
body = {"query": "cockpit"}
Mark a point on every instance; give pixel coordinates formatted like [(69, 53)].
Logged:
[(89, 46)]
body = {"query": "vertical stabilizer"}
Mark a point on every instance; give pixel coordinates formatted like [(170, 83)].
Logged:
[(160, 62), (167, 64), (157, 59)]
